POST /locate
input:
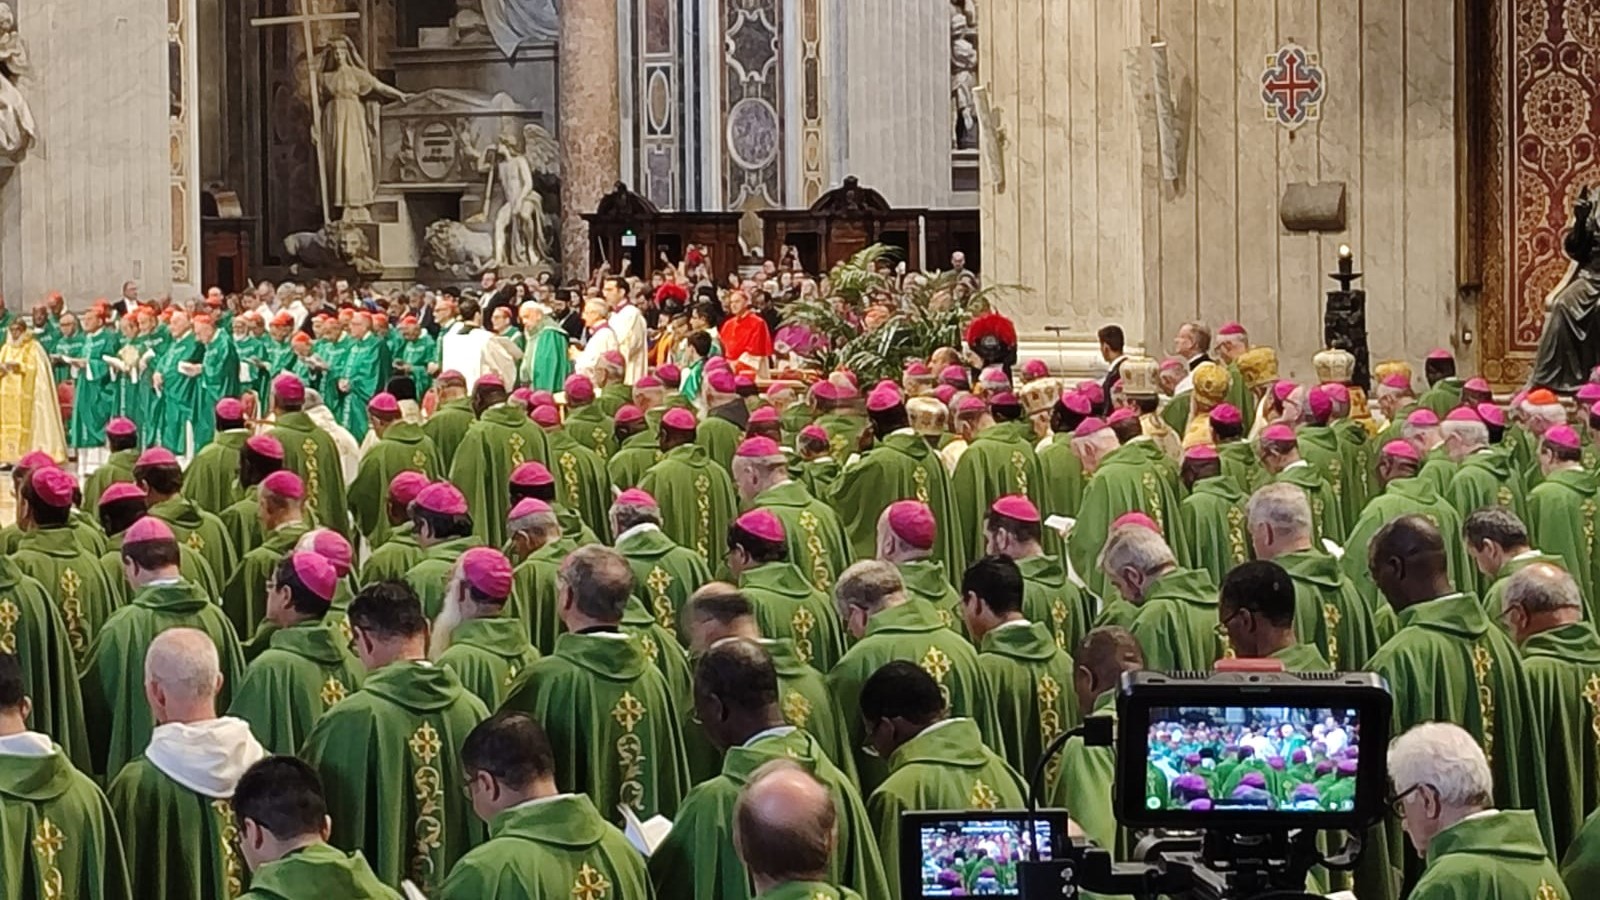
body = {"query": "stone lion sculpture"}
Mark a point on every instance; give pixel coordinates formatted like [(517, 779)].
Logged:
[(452, 247), (337, 245)]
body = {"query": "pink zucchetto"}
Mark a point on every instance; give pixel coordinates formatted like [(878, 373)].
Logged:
[(229, 408), (545, 416), (1463, 414), (1282, 389), (1588, 393), (529, 506), (53, 487), (913, 523), (156, 456), (487, 571), (1136, 518), (1120, 415), (288, 388), (1479, 384), (121, 427), (1278, 434), (383, 404), (1230, 328), (815, 433), (579, 389), (722, 382), (883, 397), (1398, 382), (758, 448), (331, 546), (1319, 404), (1563, 436), (945, 393), (766, 415), (1035, 368), (405, 486), (265, 446), (636, 497), (285, 484), (1076, 403), (531, 474), (1492, 415), (443, 499), (1089, 426), (146, 530), (1201, 452), (1338, 393), (1016, 506), (1402, 450), (316, 573), (1440, 355), (121, 490), (491, 381), (670, 375), (1226, 414), (628, 413), (679, 420), (971, 404), (761, 523), (1422, 418)]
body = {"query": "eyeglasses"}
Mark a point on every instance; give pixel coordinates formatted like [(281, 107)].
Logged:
[(1227, 619), (1505, 613), (1397, 802)]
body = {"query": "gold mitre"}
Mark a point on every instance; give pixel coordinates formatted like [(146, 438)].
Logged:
[(1141, 377), (927, 416), (1334, 366), (1210, 383), (1259, 366), (1388, 367), (1040, 395)]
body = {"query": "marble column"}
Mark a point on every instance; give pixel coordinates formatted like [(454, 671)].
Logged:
[(590, 121)]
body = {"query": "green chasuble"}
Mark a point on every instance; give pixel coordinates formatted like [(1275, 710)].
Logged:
[(177, 397), (582, 482), (1447, 663), (200, 531), (999, 461), (488, 655), (787, 606), (1176, 412), (697, 860), (947, 766), (391, 561), (664, 574), (416, 354), (58, 837), (95, 396), (1355, 450), (1298, 657), (1494, 598), (1580, 868), (613, 397), (242, 521), (806, 703), (550, 364), (365, 368), (140, 401), (1082, 784), (73, 577), (402, 448), (1329, 613), (447, 427), (662, 650), (1326, 520), (1443, 396), (611, 723), (1050, 598), (1438, 470), (212, 481), (1177, 623), (1063, 477), (1485, 479), (32, 629), (1125, 482), (900, 466), (820, 474), (310, 452), (1497, 855), (637, 454), (1239, 462), (558, 848), (1561, 522), (1402, 497), (1029, 681), (844, 432), (696, 497), (925, 580), (244, 598), (118, 468), (219, 377), (1320, 447), (1563, 669), (191, 568), (304, 671), (911, 631), (720, 437), (807, 890), (589, 426), (811, 530), (332, 352), (114, 708), (390, 760), (497, 443), (431, 574), (1216, 527), (318, 872), (533, 595)]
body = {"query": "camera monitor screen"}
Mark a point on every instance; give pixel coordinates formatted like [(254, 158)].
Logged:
[(1253, 759), (956, 854)]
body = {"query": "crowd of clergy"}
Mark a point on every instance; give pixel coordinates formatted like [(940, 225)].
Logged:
[(480, 655)]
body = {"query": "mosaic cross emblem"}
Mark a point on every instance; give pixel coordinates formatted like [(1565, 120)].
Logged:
[(1293, 86)]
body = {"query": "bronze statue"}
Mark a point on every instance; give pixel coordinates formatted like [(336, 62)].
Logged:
[(1569, 348)]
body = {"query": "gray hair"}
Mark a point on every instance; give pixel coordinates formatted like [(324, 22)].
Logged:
[(1201, 332), (1138, 548), (1553, 413), (626, 515), (1446, 757), (1474, 433), (600, 580), (539, 523), (867, 585), (184, 662), (1283, 506), (1542, 588), (596, 304)]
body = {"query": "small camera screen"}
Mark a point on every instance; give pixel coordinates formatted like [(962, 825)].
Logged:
[(1240, 759), (977, 858)]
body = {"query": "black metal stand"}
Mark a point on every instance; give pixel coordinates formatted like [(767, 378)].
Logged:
[(1344, 326)]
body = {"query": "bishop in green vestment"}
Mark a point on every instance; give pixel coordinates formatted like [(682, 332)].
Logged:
[(1280, 455), (473, 636), (1059, 466), (404, 727), (999, 462), (50, 552), (1083, 780), (443, 529), (587, 424), (638, 448), (310, 452), (816, 542), (1121, 481), (546, 362), (58, 838), (665, 575), (305, 668), (402, 447), (537, 538), (888, 626), (1581, 866), (1484, 479), (1404, 494), (119, 724), (1256, 610), (281, 518), (94, 395), (1320, 446), (1561, 655), (583, 485), (696, 495), (212, 480), (608, 711), (448, 425), (33, 633), (1013, 529), (122, 439), (218, 376), (543, 844), (1177, 621), (737, 696), (158, 473), (1029, 677), (907, 535), (1562, 511), (1214, 519), (935, 762), (171, 801), (502, 439), (786, 604)]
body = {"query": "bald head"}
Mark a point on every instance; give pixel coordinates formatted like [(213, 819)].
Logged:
[(1408, 562), (182, 676), (716, 612), (784, 825), (1540, 598)]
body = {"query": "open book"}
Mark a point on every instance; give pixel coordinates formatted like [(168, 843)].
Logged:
[(645, 836)]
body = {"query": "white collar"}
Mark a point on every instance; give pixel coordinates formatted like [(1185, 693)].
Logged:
[(938, 725), (205, 757), (1296, 464), (778, 732), (526, 804), (1526, 554), (640, 528), (26, 743), (909, 431), (1014, 623), (614, 635)]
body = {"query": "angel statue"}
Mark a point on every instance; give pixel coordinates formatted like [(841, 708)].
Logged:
[(347, 132), (514, 164), (16, 120)]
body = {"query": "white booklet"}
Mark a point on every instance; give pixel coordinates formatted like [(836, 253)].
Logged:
[(645, 836)]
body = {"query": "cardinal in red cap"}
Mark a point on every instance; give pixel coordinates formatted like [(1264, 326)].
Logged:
[(402, 446), (696, 494), (788, 606), (473, 636), (815, 541)]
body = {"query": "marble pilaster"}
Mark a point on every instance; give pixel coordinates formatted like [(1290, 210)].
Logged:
[(590, 122)]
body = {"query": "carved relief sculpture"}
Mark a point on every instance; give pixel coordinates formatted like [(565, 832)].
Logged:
[(17, 132), (513, 164), (963, 73), (347, 132)]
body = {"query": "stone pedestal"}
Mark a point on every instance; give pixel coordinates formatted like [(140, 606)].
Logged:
[(590, 121)]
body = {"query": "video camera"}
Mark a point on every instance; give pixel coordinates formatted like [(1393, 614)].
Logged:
[(1232, 774)]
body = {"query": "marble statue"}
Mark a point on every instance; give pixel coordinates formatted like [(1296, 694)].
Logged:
[(1569, 347), (508, 23), (513, 164), (17, 132), (963, 73), (452, 247), (347, 131), (335, 246)]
